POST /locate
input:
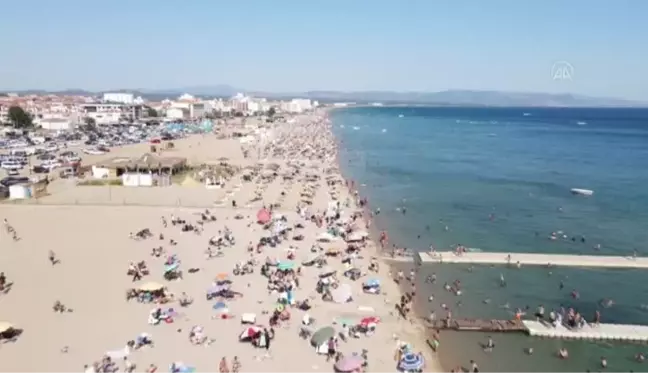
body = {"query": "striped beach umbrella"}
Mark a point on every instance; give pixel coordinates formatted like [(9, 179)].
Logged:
[(411, 362)]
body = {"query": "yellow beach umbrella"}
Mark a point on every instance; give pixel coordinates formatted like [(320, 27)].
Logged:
[(151, 286), (5, 326)]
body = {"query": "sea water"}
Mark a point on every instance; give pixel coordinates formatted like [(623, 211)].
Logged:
[(497, 179)]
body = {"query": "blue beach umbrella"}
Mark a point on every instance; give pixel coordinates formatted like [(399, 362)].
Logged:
[(411, 362), (285, 266), (372, 282), (220, 307), (171, 267)]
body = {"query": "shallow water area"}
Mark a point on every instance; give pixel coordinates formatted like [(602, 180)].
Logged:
[(495, 180), (483, 296)]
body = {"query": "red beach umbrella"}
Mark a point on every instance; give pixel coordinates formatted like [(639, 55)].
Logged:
[(250, 332), (263, 216), (370, 320)]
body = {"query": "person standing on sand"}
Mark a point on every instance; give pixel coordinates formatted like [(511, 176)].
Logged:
[(473, 367), (222, 367), (236, 365), (52, 258), (331, 349), (3, 282), (266, 336)]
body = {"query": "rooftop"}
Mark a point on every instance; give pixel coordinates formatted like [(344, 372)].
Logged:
[(147, 160)]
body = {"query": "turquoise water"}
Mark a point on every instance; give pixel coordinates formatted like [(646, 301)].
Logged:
[(499, 180)]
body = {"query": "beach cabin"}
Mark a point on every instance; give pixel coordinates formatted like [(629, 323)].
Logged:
[(28, 190), (146, 164)]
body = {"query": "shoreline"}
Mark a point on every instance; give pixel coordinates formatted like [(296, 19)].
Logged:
[(482, 295), (414, 326)]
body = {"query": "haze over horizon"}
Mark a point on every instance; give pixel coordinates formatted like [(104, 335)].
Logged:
[(290, 46)]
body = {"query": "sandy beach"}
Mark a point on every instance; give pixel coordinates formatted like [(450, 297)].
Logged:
[(89, 229)]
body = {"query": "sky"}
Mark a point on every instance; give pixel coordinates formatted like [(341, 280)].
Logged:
[(597, 47)]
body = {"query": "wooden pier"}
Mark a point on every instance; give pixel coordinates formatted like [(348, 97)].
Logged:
[(522, 259), (479, 325)]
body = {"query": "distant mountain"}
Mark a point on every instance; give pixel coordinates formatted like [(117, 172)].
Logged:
[(475, 98), (443, 98), (220, 90)]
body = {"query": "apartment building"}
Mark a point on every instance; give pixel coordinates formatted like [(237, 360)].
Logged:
[(111, 113)]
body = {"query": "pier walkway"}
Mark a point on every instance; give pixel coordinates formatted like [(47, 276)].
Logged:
[(594, 261), (610, 332)]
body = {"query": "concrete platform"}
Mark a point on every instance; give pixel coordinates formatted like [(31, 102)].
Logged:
[(611, 332), (594, 261)]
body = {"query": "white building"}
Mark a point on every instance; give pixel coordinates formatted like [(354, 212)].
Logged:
[(56, 124), (297, 105), (122, 98), (104, 113), (177, 113)]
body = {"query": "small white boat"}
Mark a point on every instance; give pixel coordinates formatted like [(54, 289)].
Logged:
[(582, 192), (356, 128), (400, 115), (384, 130)]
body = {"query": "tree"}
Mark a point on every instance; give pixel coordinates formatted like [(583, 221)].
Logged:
[(272, 111), (19, 118), (90, 123), (151, 112)]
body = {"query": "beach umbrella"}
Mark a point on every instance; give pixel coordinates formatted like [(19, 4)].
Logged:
[(151, 286), (411, 362), (354, 237), (171, 267), (222, 277), (372, 282), (5, 326), (218, 288), (342, 294), (322, 335), (325, 237), (362, 233), (263, 216), (349, 363), (370, 320), (332, 251), (285, 266), (250, 332), (221, 307)]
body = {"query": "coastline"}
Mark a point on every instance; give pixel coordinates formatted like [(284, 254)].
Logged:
[(413, 328)]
